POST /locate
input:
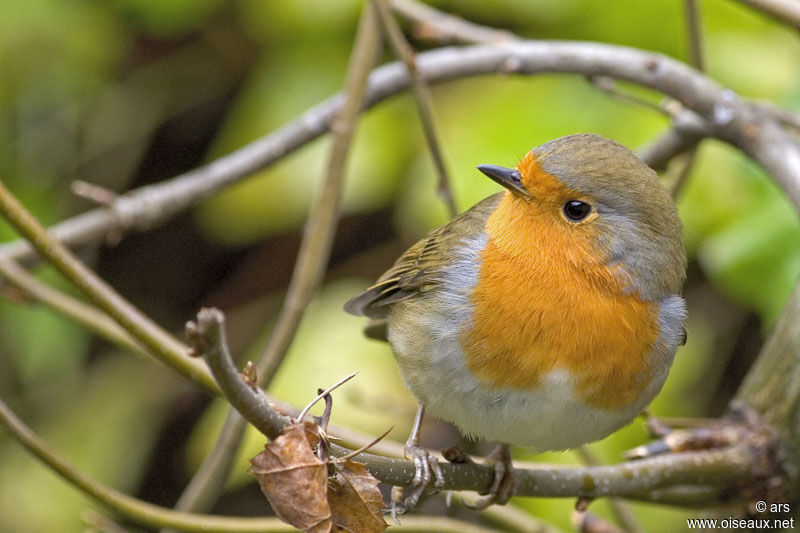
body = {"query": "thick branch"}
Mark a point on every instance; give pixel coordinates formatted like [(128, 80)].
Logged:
[(723, 114), (728, 467), (772, 386)]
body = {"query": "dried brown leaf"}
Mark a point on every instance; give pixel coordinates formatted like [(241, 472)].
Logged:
[(294, 480), (355, 501)]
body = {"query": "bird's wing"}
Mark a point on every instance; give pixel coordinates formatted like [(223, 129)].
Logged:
[(420, 267)]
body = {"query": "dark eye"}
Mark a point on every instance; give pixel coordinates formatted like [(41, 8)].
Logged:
[(575, 210)]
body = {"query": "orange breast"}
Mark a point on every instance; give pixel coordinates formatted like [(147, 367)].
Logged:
[(545, 301)]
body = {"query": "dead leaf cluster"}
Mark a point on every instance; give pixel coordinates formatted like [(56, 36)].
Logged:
[(297, 483)]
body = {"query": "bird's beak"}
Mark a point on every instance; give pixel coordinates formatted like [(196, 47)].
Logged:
[(507, 177)]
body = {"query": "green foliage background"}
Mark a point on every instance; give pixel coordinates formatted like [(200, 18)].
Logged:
[(86, 86)]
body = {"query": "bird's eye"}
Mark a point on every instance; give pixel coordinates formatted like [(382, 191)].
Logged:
[(575, 210)]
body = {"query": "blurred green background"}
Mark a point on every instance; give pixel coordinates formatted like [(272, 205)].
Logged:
[(128, 92)]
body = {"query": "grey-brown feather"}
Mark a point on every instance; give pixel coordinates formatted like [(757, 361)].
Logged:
[(419, 269)]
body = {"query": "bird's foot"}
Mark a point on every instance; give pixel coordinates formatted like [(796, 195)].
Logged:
[(503, 484), (695, 434), (426, 470)]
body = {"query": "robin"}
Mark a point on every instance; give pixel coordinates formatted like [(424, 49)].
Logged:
[(546, 316)]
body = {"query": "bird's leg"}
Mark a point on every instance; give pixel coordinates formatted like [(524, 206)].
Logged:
[(426, 469), (502, 487)]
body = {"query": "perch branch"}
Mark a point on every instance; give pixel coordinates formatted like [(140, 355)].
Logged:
[(148, 514), (726, 467)]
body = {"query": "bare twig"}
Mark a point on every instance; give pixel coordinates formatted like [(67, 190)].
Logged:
[(148, 514), (609, 86), (686, 131), (784, 115), (208, 481), (322, 394), (365, 447), (81, 312), (137, 510), (695, 45), (787, 11), (320, 229), (207, 338), (693, 32), (445, 28), (684, 163), (422, 98), (158, 342), (309, 268), (505, 517)]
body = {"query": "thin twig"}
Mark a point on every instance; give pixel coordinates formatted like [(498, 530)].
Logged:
[(695, 44), (312, 259), (694, 34), (136, 510), (159, 343), (208, 481), (446, 28), (208, 339), (686, 131), (82, 313), (364, 448), (322, 394), (684, 167), (422, 98), (786, 11), (506, 517), (609, 86), (784, 115)]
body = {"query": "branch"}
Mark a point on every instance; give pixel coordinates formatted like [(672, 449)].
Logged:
[(727, 467), (158, 342), (772, 386), (82, 313), (446, 28), (721, 113), (422, 98), (786, 11), (139, 511), (148, 514), (320, 229)]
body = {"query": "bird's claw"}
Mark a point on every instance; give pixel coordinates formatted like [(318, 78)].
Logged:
[(426, 470), (503, 483)]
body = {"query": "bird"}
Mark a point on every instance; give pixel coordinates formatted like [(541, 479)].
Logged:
[(546, 316)]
